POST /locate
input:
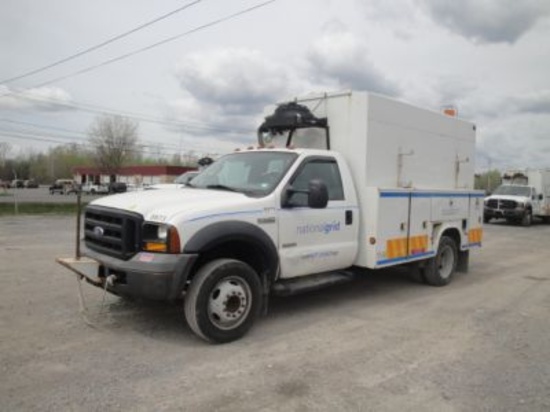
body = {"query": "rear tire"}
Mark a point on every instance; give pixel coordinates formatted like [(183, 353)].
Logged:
[(223, 301), (440, 270)]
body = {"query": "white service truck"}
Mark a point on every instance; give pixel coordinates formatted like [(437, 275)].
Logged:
[(522, 196), (340, 183)]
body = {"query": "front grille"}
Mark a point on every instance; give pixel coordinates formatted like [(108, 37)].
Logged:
[(501, 204), (112, 232), (508, 204)]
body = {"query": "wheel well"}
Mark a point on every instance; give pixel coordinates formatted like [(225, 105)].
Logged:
[(245, 251), (454, 234)]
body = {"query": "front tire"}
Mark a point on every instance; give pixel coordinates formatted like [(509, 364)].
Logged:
[(527, 219), (223, 300), (440, 269)]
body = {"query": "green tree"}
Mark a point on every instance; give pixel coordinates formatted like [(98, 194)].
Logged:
[(488, 181)]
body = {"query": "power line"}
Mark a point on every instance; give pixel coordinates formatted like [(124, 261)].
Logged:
[(148, 141), (102, 44), (145, 149), (91, 108), (77, 136), (154, 45)]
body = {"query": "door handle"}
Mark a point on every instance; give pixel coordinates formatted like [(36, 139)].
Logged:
[(349, 217)]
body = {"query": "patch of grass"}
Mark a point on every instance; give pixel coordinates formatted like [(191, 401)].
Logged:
[(8, 209)]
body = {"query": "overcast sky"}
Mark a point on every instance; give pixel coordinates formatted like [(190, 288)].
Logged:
[(205, 91)]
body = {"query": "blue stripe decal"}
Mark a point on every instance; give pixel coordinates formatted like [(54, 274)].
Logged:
[(478, 244), (405, 259), (246, 212), (428, 194), (308, 208)]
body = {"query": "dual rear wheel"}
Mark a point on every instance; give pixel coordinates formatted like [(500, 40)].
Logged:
[(439, 270)]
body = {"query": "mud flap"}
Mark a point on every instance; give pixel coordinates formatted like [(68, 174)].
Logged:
[(463, 261)]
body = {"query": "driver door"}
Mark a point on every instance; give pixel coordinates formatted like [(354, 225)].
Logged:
[(316, 240)]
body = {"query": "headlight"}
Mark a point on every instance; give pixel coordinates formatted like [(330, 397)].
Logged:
[(162, 232), (160, 238)]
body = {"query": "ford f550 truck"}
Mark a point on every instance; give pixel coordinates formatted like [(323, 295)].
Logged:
[(522, 196), (340, 183)]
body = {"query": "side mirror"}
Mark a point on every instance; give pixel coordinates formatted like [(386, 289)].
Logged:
[(317, 197), (541, 197)]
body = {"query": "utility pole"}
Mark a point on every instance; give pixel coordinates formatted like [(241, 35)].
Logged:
[(489, 176)]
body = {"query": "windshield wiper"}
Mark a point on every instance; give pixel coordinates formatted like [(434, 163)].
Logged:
[(222, 187)]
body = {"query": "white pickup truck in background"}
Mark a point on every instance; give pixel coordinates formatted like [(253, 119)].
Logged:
[(94, 189), (341, 183), (522, 196)]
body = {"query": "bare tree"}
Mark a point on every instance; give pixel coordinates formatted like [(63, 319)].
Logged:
[(5, 149), (114, 140)]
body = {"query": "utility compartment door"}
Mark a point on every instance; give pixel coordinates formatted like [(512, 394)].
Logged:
[(393, 228), (420, 227), (475, 228)]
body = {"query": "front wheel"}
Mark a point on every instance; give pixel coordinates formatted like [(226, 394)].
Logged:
[(223, 301), (440, 269), (527, 218)]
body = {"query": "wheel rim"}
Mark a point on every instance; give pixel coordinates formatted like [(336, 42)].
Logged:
[(446, 262), (229, 302)]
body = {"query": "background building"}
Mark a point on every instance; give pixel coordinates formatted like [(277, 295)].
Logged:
[(135, 175)]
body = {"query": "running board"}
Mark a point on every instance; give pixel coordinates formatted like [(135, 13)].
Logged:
[(302, 284)]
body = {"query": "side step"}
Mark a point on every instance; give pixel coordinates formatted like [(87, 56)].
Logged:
[(302, 284)]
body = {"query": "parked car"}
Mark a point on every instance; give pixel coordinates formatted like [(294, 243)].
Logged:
[(17, 183), (30, 184), (63, 187), (117, 187), (95, 189)]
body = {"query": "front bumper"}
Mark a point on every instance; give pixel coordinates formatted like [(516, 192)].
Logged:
[(146, 275), (503, 213)]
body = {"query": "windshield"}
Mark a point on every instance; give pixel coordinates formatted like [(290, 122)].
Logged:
[(252, 173), (513, 190)]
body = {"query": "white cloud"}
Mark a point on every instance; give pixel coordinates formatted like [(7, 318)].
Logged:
[(240, 80), (46, 99), (519, 141), (340, 58), (488, 21)]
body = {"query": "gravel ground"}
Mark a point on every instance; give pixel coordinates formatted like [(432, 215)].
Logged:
[(383, 343)]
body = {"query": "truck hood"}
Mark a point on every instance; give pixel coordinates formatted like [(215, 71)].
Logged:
[(508, 197), (162, 205)]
